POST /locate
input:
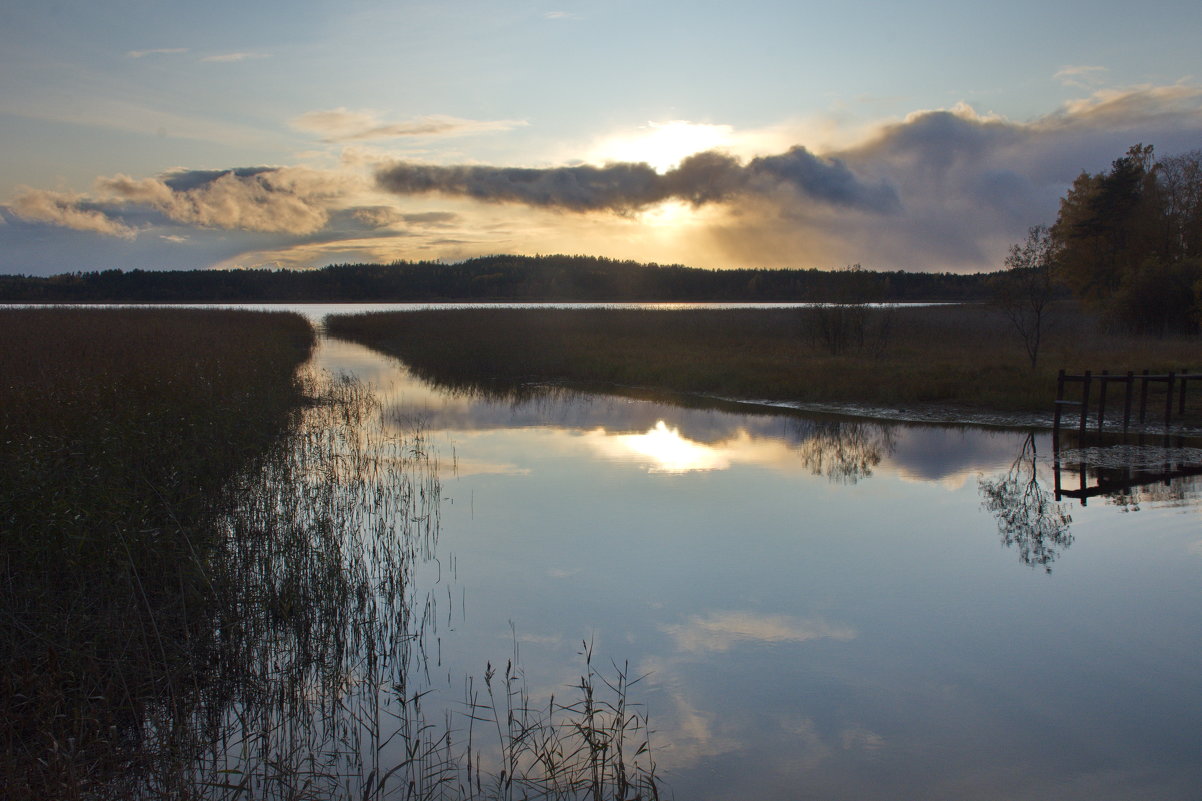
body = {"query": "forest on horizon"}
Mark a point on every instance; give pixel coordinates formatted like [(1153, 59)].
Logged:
[(496, 278)]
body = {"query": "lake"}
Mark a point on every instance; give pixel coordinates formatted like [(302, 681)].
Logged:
[(820, 607)]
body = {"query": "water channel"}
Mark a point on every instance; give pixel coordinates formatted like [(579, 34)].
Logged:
[(824, 608)]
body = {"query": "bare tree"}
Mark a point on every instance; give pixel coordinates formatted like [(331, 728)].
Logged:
[(1026, 290)]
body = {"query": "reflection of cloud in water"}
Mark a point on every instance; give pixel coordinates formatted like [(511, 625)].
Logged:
[(678, 439), (861, 739), (480, 467), (686, 736), (722, 631), (694, 737), (932, 453)]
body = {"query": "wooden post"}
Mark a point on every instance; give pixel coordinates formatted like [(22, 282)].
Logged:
[(1168, 398), (1088, 378), (1127, 402), (1143, 399), (1059, 406), (1082, 481), (1181, 397), (1105, 379)]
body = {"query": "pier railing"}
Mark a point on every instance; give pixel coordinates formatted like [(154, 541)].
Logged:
[(1168, 401), (1155, 409)]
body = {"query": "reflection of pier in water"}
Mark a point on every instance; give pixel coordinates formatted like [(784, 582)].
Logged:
[(1122, 454), (1117, 466)]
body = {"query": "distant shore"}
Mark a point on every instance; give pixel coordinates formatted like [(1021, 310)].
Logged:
[(955, 363)]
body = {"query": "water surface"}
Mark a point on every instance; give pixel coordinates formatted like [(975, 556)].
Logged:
[(823, 608)]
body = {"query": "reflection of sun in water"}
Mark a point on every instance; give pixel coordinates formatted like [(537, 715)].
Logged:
[(662, 144), (669, 452)]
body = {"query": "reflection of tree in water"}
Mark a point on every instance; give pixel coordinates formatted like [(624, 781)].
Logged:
[(1028, 516), (843, 451)]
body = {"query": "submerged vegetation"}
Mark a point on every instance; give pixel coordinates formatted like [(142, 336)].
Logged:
[(209, 592), (938, 355)]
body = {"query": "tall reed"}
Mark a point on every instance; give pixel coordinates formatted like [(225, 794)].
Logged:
[(118, 429), (209, 585)]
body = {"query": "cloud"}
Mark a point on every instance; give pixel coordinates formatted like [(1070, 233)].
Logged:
[(707, 177), (155, 52), (377, 216), (284, 200), (67, 210), (967, 184), (229, 58), (941, 189), (1079, 75), (343, 125), (288, 200), (722, 631)]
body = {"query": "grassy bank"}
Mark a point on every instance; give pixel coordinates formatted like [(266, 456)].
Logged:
[(963, 356), (119, 432)]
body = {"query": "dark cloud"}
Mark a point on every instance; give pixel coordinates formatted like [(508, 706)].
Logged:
[(940, 190), (32, 247), (709, 177), (968, 184), (377, 217), (824, 179), (618, 187), (188, 180), (431, 218)]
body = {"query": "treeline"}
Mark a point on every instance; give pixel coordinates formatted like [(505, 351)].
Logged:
[(494, 278), (1128, 241)]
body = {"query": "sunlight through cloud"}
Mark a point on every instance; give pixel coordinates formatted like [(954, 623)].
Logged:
[(662, 144)]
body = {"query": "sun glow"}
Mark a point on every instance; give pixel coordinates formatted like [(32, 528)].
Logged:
[(668, 452), (669, 214), (662, 144)]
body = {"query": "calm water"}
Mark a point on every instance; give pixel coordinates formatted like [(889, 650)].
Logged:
[(823, 608)]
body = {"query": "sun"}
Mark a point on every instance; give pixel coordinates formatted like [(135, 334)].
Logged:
[(662, 145)]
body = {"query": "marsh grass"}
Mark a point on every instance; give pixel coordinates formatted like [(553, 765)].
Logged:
[(117, 431), (209, 592), (960, 356)]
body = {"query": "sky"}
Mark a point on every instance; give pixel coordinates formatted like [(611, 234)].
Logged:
[(925, 136)]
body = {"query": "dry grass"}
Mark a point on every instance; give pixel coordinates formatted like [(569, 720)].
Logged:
[(208, 593), (118, 431), (946, 355)]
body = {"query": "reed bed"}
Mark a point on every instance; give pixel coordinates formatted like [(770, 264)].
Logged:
[(958, 356), (209, 591), (118, 430)]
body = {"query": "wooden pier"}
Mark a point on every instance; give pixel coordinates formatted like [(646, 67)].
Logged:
[(1171, 385), (1145, 409)]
